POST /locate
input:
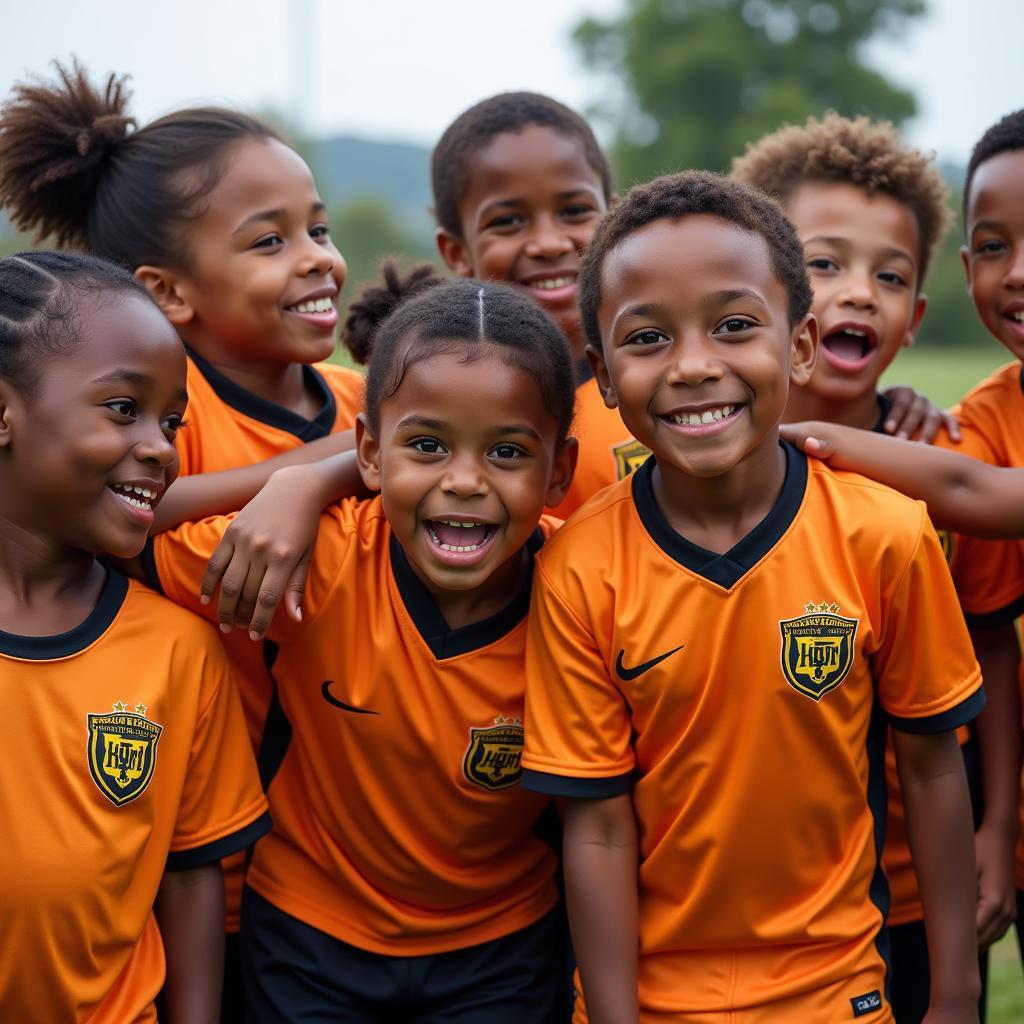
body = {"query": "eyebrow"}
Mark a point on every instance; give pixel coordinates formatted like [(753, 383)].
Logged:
[(844, 243), (986, 225), (136, 378), (431, 424), (261, 215)]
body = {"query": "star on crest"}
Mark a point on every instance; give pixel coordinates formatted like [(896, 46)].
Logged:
[(141, 709), (120, 706), (824, 608)]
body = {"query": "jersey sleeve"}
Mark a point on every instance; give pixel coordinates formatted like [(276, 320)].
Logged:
[(924, 666), (578, 730), (222, 808)]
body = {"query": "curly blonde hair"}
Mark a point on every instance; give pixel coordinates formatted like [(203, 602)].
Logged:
[(856, 151)]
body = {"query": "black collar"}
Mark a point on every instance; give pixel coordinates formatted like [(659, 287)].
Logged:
[(725, 570), (270, 413), (884, 408), (443, 641), (63, 645)]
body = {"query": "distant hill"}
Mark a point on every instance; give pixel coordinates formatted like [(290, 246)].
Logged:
[(347, 167)]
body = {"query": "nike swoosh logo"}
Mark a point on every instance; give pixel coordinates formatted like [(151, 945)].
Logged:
[(631, 673), (332, 700)]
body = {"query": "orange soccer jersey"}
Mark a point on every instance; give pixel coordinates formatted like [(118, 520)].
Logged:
[(127, 753), (743, 700), (608, 452), (229, 427), (394, 750)]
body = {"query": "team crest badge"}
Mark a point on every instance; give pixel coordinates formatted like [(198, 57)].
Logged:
[(629, 457), (494, 757), (817, 649), (122, 752)]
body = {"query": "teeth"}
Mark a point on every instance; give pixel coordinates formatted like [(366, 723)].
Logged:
[(1017, 315), (454, 547), (449, 522), (126, 491), (694, 419), (317, 306), (550, 283)]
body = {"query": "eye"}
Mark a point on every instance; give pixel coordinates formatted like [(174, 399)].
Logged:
[(508, 451), (822, 263), (504, 222), (319, 231), (271, 241), (124, 407), (646, 336), (990, 248), (173, 423), (734, 325), (427, 446), (577, 211), (892, 277)]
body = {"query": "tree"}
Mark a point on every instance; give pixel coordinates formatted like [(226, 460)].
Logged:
[(702, 78)]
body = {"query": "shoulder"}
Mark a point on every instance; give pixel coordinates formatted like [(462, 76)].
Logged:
[(158, 620), (994, 390), (345, 383)]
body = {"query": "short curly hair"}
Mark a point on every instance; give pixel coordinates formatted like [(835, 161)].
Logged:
[(855, 151), (1005, 136), (682, 195), (475, 128)]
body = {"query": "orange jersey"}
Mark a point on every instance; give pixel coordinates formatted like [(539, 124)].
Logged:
[(743, 700), (127, 753), (229, 427), (394, 751), (608, 452)]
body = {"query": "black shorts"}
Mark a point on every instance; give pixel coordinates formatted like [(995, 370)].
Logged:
[(292, 972)]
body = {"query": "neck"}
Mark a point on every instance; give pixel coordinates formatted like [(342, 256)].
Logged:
[(718, 512), (860, 412), (281, 383), (465, 607)]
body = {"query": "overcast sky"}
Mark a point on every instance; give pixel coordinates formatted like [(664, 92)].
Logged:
[(402, 69)]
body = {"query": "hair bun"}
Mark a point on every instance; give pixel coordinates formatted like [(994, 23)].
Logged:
[(55, 141), (377, 302)]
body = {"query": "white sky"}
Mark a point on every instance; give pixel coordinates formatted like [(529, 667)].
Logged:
[(402, 69)]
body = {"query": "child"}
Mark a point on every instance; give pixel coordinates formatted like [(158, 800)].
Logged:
[(710, 683), (129, 772), (403, 862), (222, 223), (519, 186), (870, 212)]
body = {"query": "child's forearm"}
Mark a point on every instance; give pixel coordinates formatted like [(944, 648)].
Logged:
[(190, 911), (210, 494), (941, 835), (962, 493), (600, 848)]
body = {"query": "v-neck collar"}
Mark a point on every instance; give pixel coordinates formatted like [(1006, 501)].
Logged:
[(727, 569), (264, 411), (443, 641)]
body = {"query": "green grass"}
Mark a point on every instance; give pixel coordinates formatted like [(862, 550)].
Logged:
[(1005, 983)]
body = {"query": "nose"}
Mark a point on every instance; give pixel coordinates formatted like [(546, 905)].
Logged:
[(1015, 270), (154, 448), (548, 239), (858, 291), (318, 259), (694, 361), (464, 476)]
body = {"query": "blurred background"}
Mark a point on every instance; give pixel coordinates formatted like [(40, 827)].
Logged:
[(365, 89)]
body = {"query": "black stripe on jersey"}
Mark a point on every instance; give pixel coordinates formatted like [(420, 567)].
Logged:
[(878, 805), (574, 788), (147, 561), (270, 413), (443, 641), (87, 632), (184, 860), (277, 729), (723, 569), (966, 711)]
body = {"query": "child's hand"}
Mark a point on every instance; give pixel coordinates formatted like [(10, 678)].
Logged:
[(997, 905), (264, 554), (812, 438), (914, 414)]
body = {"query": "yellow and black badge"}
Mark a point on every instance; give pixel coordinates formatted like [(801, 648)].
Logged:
[(629, 457), (494, 757), (817, 649), (122, 752)]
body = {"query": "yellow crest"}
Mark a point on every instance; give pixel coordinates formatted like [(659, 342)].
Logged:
[(817, 649), (494, 757), (122, 752), (629, 457)]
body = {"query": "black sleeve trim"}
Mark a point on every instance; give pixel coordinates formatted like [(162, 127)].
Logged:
[(963, 713), (1000, 617), (578, 789), (185, 860), (147, 558)]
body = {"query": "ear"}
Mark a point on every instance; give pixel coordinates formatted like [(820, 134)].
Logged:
[(166, 288), (10, 403), (562, 471), (805, 350), (604, 380), (965, 259), (454, 252), (920, 305), (367, 454)]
